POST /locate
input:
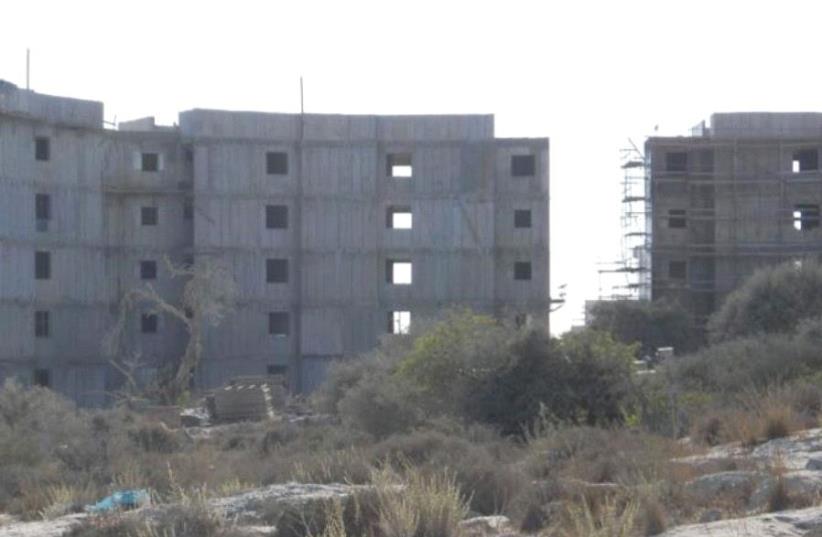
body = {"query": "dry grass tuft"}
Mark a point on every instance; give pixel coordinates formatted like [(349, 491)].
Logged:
[(609, 519)]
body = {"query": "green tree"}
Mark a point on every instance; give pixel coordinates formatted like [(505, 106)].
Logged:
[(651, 324), (772, 300)]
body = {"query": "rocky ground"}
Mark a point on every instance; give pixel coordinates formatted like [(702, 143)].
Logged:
[(795, 463)]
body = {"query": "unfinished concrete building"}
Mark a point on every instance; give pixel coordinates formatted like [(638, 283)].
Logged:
[(741, 194), (338, 230)]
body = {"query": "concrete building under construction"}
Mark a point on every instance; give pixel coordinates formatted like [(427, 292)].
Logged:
[(338, 229), (734, 196)]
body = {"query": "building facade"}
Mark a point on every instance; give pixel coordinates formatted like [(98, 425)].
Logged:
[(741, 194), (337, 229)]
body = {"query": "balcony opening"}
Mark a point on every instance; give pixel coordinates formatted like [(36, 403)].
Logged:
[(805, 160), (399, 322), (805, 217), (399, 218), (398, 272), (399, 165)]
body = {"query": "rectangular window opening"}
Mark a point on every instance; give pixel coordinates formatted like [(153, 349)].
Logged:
[(276, 270), (42, 265), (805, 217), (706, 160), (42, 211), (150, 162), (276, 163), (42, 148), (399, 322), (805, 160), (148, 323), (399, 218), (399, 272), (522, 218), (522, 320), (522, 270), (41, 324), (276, 216), (277, 370), (399, 165), (42, 378), (523, 165), (677, 270), (188, 210), (149, 216), (676, 161), (279, 323), (148, 270), (677, 219)]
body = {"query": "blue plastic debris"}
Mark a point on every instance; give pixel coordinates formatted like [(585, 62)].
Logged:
[(120, 501)]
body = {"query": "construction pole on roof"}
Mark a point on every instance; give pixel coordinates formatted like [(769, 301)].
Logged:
[(28, 68)]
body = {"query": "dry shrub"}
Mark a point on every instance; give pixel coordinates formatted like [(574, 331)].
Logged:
[(652, 519), (187, 520), (611, 519), (414, 504), (482, 463), (427, 505), (708, 431), (778, 497), (603, 456), (155, 438), (778, 422), (756, 417), (343, 466), (54, 501), (537, 506)]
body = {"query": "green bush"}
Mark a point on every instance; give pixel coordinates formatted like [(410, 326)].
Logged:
[(469, 367), (652, 324), (583, 378), (751, 363), (774, 299)]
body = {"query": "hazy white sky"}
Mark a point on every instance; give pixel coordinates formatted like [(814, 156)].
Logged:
[(588, 74)]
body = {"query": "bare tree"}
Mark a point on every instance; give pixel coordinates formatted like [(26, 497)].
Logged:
[(209, 296)]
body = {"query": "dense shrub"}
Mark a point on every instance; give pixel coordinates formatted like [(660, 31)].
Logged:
[(469, 367), (774, 299), (748, 363), (652, 324), (584, 378)]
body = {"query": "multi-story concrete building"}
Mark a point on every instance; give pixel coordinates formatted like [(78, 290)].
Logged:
[(738, 195), (338, 229)]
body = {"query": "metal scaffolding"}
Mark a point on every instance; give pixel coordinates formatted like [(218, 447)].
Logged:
[(629, 278)]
